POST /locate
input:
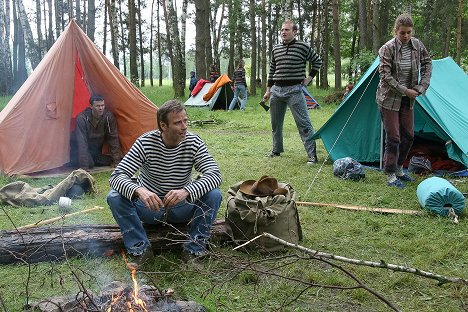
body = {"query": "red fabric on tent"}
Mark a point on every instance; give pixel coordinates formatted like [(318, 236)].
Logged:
[(199, 86), (80, 93)]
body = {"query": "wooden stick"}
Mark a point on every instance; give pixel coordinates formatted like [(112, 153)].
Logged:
[(361, 208), (52, 220)]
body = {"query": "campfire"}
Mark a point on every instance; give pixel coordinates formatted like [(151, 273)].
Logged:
[(117, 297)]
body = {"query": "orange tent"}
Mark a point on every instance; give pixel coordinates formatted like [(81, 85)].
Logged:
[(35, 125)]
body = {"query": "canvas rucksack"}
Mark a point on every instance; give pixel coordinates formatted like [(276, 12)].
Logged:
[(249, 216)]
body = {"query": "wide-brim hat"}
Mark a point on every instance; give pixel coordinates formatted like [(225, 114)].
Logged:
[(265, 186)]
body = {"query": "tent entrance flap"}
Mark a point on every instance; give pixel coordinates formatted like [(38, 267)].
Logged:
[(81, 93)]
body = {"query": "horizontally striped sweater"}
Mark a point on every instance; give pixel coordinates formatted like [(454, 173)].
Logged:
[(288, 62), (163, 169)]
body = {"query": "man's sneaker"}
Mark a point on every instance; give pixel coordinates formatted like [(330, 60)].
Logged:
[(144, 258), (312, 160), (396, 183), (190, 257), (405, 177), (273, 154)]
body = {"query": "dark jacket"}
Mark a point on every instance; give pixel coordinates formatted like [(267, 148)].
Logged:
[(90, 138)]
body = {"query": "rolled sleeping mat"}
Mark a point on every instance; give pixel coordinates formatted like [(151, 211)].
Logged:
[(439, 195)]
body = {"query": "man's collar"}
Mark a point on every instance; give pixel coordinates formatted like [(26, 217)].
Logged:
[(290, 42)]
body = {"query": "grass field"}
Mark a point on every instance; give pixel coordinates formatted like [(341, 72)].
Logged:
[(284, 281)]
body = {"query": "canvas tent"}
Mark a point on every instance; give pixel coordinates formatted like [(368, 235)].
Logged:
[(35, 125), (221, 98), (354, 130)]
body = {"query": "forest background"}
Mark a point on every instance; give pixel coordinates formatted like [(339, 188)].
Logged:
[(152, 40)]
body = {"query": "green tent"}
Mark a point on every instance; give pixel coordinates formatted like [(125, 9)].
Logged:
[(354, 130)]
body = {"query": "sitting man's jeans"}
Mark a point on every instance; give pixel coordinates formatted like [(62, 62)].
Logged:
[(130, 214)]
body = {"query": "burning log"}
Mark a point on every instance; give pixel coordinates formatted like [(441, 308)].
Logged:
[(41, 244)]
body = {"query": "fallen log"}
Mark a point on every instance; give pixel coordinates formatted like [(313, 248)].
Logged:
[(40, 244)]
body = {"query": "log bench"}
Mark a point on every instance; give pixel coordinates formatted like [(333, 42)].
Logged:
[(39, 244)]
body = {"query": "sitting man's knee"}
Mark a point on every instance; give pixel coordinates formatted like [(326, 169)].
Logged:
[(113, 197)]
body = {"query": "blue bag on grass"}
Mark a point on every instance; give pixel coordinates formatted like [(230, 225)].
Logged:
[(439, 195)]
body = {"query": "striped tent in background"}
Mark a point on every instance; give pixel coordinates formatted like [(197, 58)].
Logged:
[(311, 102)]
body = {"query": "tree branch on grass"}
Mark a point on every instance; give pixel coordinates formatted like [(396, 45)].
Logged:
[(382, 264)]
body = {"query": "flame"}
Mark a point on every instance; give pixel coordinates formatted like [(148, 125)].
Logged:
[(139, 303), (137, 299)]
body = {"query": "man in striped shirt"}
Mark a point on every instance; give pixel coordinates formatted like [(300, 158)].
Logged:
[(284, 89), (164, 190)]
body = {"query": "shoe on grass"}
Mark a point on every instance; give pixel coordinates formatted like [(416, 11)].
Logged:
[(312, 161), (273, 154), (190, 257), (144, 258), (405, 177), (397, 183)]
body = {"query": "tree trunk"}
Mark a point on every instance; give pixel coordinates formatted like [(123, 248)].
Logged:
[(326, 46), (78, 16), (91, 19), (33, 50), (253, 55), (209, 46), (20, 73), (216, 34), (336, 43), (151, 45), (132, 44), (106, 14), (362, 13), (264, 48), (232, 31), (38, 28), (50, 38), (179, 62), (375, 26), (201, 66), (159, 48), (40, 244), (458, 51), (123, 39), (58, 17), (300, 20), (183, 23), (114, 32), (140, 36), (353, 47)]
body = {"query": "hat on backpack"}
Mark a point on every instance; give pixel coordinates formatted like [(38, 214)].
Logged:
[(265, 186)]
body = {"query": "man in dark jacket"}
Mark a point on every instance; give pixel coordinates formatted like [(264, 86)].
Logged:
[(193, 81), (95, 126)]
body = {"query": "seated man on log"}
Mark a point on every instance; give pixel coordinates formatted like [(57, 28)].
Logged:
[(94, 127), (164, 191)]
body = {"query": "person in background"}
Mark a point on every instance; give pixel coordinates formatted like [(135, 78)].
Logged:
[(348, 89), (214, 73), (164, 190), (284, 89), (94, 127), (405, 71), (193, 82), (240, 86)]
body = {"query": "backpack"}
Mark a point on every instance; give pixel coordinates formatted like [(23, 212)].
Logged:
[(419, 165), (249, 216), (348, 168)]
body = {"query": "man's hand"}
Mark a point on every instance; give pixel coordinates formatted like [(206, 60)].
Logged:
[(411, 93), (266, 96), (307, 81), (174, 197), (150, 199)]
